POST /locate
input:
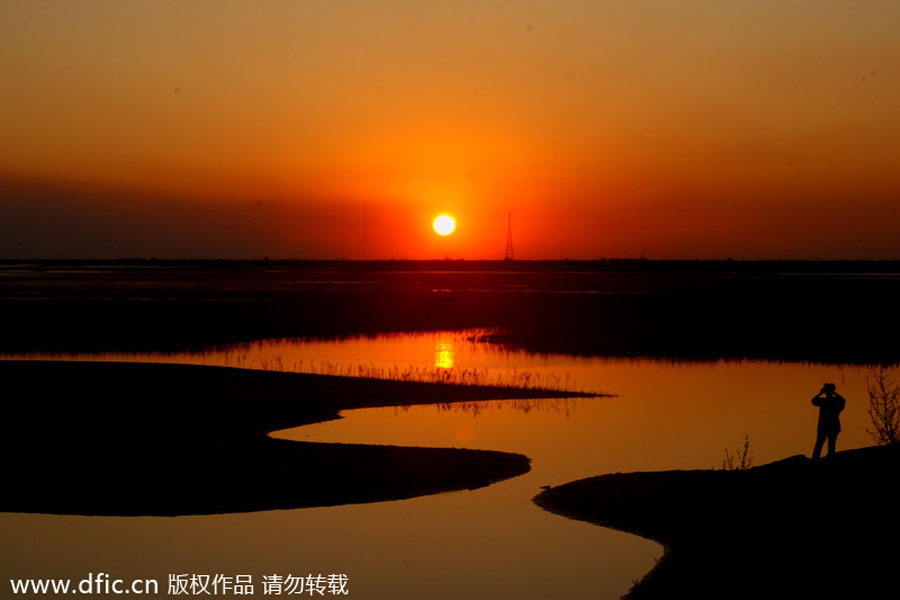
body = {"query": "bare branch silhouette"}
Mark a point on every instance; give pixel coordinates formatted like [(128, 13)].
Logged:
[(884, 405)]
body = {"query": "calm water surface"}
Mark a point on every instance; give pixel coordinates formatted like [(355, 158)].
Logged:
[(487, 543)]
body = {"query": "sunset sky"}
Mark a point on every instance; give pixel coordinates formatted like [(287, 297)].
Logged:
[(708, 128)]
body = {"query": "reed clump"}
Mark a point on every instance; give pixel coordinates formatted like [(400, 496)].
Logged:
[(514, 378), (739, 460)]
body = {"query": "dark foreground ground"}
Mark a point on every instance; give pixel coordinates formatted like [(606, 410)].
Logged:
[(795, 528), (138, 439)]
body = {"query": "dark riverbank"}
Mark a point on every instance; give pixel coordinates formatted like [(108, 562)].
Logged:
[(795, 528), (141, 439), (679, 310)]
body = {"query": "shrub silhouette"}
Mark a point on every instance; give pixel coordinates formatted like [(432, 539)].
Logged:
[(741, 459), (884, 405)]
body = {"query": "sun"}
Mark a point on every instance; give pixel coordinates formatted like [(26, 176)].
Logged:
[(444, 225)]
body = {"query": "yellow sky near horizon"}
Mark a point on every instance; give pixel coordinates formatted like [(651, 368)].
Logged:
[(556, 111)]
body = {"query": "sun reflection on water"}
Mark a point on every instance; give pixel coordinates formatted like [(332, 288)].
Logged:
[(443, 353)]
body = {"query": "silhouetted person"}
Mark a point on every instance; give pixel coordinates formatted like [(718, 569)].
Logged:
[(830, 406)]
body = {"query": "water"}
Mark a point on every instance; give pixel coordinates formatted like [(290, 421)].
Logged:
[(487, 543), (447, 356)]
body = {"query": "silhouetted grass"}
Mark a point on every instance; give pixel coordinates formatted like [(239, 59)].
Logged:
[(511, 378), (243, 359), (739, 460), (523, 405)]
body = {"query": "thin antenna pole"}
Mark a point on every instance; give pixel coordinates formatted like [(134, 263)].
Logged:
[(365, 256), (509, 244)]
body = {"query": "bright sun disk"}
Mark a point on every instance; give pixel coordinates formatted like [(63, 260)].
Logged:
[(444, 225)]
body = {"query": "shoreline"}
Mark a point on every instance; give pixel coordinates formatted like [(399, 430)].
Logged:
[(791, 528), (194, 440), (682, 310)]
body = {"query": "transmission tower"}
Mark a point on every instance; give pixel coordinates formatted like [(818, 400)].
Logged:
[(509, 244)]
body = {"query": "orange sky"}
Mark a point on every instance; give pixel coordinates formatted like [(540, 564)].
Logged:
[(680, 130)]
